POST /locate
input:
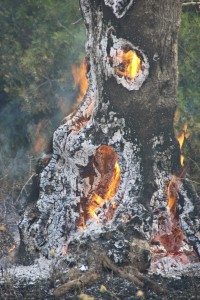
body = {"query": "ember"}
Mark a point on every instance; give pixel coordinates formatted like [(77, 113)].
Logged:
[(80, 79), (172, 242), (172, 235), (130, 64), (181, 137)]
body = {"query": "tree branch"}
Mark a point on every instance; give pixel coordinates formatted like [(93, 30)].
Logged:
[(190, 4)]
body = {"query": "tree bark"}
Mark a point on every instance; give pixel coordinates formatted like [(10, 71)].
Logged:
[(125, 121), (133, 116)]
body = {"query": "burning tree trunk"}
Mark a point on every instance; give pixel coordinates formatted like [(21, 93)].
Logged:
[(115, 177)]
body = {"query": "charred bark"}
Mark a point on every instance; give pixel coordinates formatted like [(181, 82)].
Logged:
[(121, 135)]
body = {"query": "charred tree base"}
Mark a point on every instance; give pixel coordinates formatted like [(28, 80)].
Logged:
[(87, 269), (109, 264)]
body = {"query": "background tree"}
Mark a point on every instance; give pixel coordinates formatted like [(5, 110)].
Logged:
[(188, 88), (40, 40)]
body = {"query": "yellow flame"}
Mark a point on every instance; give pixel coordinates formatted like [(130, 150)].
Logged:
[(182, 158), (171, 193), (80, 79), (114, 183), (131, 64), (180, 138), (97, 200)]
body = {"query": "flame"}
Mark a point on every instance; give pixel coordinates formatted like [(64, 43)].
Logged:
[(171, 193), (97, 201), (104, 176), (80, 79), (180, 138), (171, 235), (182, 158), (40, 139), (39, 145), (131, 64), (113, 186), (12, 248)]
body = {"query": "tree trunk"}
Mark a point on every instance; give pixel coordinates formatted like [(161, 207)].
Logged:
[(114, 183)]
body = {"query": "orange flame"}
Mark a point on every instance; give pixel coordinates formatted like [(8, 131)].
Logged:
[(131, 64), (39, 145), (12, 248), (181, 137), (172, 241), (80, 79), (171, 193), (40, 140), (97, 200)]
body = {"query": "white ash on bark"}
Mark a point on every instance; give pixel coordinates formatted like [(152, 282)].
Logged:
[(119, 7)]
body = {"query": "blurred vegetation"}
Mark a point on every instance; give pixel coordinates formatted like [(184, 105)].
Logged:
[(189, 89), (40, 40)]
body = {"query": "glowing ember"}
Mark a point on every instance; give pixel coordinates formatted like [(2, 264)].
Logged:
[(173, 241), (12, 248), (130, 64), (181, 137), (170, 234), (80, 79)]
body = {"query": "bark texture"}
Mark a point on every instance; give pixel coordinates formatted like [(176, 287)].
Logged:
[(133, 117)]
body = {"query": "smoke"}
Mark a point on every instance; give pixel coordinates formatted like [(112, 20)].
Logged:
[(27, 131), (13, 139)]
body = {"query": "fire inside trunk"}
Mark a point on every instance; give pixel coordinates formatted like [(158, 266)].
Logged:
[(170, 246), (108, 166), (129, 64), (105, 170), (115, 183)]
